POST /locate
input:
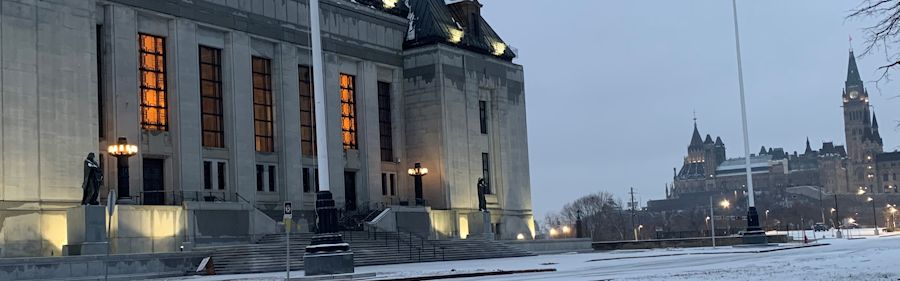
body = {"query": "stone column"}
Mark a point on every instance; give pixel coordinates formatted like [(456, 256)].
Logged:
[(185, 98), (242, 148)]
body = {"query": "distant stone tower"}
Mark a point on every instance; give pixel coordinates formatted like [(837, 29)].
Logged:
[(861, 131), (698, 172)]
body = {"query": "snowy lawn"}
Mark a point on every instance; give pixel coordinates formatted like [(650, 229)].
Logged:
[(872, 258)]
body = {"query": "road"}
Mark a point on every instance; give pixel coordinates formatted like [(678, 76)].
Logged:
[(874, 258)]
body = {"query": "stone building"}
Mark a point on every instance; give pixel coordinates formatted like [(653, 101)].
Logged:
[(217, 94), (836, 169), (706, 169)]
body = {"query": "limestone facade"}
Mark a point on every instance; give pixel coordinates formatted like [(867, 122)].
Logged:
[(72, 80)]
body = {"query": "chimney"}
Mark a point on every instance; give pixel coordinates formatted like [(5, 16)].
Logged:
[(470, 13)]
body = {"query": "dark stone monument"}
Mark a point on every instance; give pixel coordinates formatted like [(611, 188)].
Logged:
[(327, 253), (86, 227), (482, 190), (486, 229), (754, 234), (93, 178)]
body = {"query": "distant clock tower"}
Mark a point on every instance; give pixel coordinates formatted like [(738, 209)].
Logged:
[(861, 132)]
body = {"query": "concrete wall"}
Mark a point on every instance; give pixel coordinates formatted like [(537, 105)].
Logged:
[(553, 246), (680, 243), (47, 101), (48, 98), (443, 86), (119, 267), (147, 229), (32, 229), (226, 223)]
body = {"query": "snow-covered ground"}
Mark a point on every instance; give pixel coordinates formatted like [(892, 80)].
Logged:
[(872, 258)]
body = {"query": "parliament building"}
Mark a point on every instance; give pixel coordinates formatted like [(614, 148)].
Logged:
[(217, 96), (861, 164)]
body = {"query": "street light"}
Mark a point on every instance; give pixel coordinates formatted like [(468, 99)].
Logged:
[(767, 221), (725, 204), (639, 229), (122, 151), (874, 216), (417, 172), (892, 210), (553, 232), (579, 228), (712, 218)]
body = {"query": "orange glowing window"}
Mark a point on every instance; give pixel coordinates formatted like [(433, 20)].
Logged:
[(152, 56), (348, 111)]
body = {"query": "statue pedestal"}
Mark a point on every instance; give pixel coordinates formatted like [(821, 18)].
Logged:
[(327, 253), (480, 226), (86, 231)]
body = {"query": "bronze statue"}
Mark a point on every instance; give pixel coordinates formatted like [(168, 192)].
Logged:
[(93, 178), (482, 189)]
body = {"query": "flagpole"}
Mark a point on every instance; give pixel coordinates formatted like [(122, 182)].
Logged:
[(754, 234), (318, 70), (327, 252)]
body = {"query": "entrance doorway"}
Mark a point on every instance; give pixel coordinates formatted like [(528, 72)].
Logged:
[(154, 179), (350, 191)]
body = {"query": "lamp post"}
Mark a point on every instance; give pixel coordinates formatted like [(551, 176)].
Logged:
[(417, 172), (874, 215), (754, 234), (837, 218), (122, 151), (833, 225), (578, 225), (766, 223), (861, 192), (707, 220), (639, 231), (712, 218), (892, 209), (725, 204)]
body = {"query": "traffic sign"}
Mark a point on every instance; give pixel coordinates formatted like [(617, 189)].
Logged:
[(288, 210)]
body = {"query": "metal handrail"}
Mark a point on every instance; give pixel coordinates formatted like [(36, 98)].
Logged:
[(238, 195), (411, 247)]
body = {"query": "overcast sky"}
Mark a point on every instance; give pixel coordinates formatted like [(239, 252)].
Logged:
[(611, 85)]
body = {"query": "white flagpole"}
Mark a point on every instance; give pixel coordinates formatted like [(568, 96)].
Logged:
[(737, 43), (318, 68)]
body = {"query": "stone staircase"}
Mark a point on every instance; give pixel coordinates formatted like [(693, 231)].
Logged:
[(369, 248)]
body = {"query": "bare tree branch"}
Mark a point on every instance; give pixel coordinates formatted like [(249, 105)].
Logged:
[(883, 33)]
